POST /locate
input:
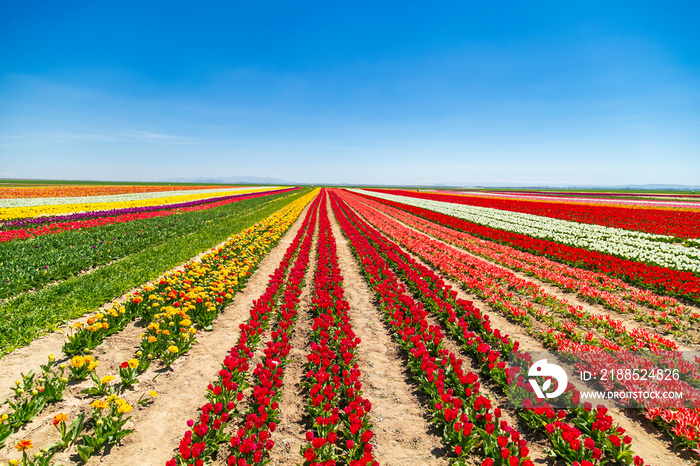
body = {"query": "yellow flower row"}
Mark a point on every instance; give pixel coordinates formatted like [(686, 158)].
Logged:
[(35, 211), (200, 291)]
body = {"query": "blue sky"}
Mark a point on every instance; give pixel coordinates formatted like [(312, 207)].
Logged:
[(360, 92)]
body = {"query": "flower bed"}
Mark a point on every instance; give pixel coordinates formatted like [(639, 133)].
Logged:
[(99, 220), (208, 434), (61, 206), (593, 286), (661, 279), (648, 248), (117, 209)]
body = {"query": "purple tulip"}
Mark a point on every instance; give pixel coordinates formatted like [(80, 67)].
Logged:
[(131, 210)]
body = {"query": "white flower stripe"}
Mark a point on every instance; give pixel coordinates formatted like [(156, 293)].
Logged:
[(633, 245)]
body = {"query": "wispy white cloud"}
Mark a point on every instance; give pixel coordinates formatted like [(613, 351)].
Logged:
[(170, 139), (39, 138), (80, 137), (149, 135)]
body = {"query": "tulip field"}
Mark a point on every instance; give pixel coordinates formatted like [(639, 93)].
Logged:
[(285, 325)]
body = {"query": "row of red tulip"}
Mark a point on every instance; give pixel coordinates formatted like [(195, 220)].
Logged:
[(593, 286), (491, 348), (468, 418), (341, 429), (205, 436), (661, 279), (684, 223)]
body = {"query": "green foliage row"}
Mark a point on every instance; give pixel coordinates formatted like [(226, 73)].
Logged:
[(32, 263), (28, 316)]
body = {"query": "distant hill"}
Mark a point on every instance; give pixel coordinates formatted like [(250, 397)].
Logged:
[(232, 180), (636, 187), (660, 186)]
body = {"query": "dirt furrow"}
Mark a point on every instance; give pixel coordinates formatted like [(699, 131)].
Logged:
[(402, 434), (291, 429), (116, 349)]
